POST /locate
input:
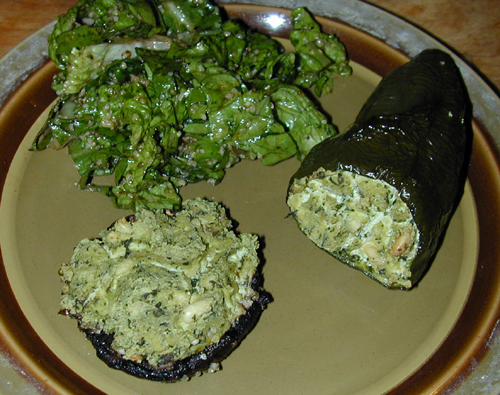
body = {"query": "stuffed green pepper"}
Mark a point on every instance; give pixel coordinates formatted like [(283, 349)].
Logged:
[(379, 196)]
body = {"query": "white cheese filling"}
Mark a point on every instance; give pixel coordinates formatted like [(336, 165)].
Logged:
[(360, 220), (165, 286)]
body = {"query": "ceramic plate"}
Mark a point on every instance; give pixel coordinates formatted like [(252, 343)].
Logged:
[(330, 329)]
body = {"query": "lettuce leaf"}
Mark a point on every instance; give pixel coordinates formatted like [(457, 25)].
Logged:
[(170, 93)]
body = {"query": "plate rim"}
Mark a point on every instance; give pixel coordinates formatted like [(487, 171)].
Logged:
[(493, 139)]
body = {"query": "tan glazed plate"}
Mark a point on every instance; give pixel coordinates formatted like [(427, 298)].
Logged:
[(330, 330)]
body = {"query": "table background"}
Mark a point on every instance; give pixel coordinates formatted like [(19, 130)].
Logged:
[(471, 27)]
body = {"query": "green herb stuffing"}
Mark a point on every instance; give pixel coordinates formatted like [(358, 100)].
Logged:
[(163, 93)]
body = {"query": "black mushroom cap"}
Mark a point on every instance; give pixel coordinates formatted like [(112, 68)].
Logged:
[(187, 367), (177, 370)]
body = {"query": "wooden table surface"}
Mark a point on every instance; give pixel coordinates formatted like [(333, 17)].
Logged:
[(471, 27)]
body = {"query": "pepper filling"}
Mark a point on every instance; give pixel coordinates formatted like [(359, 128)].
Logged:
[(359, 220)]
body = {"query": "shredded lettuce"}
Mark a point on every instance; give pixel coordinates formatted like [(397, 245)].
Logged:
[(164, 93)]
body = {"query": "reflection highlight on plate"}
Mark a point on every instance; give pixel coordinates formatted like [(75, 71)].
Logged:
[(275, 21)]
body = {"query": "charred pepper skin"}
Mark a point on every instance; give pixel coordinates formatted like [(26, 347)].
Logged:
[(412, 133)]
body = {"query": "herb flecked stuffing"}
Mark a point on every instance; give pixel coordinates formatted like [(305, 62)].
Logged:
[(166, 287)]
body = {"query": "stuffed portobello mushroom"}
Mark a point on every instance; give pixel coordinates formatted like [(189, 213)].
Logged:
[(166, 296), (379, 196)]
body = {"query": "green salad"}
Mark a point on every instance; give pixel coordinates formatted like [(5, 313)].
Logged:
[(161, 93)]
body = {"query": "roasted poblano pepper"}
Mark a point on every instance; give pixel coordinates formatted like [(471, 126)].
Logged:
[(379, 196)]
